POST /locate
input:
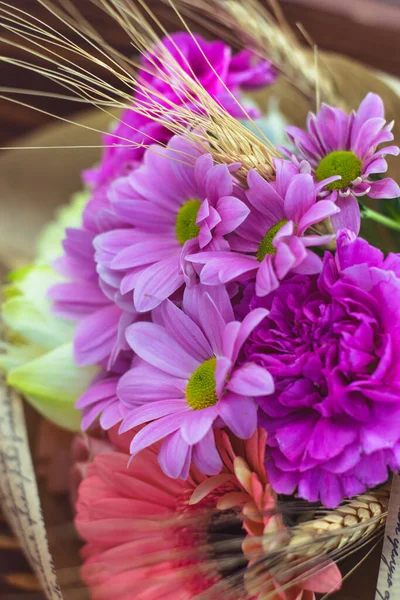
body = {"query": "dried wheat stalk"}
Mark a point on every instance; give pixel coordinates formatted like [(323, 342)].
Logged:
[(351, 521), (270, 37)]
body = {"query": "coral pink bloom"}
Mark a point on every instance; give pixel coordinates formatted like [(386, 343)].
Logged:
[(150, 537)]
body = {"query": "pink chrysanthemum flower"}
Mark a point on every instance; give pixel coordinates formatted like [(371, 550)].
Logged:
[(274, 238), (150, 537), (187, 382), (177, 201), (347, 145), (98, 305)]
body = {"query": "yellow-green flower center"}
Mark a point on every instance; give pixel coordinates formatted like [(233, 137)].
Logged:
[(185, 227), (200, 391), (266, 246), (343, 163)]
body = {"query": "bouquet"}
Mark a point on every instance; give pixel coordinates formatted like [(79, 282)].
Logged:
[(207, 312)]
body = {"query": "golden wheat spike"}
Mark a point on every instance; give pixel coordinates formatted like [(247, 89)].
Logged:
[(268, 35), (357, 518), (209, 125)]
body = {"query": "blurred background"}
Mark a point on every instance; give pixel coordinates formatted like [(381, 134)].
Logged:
[(365, 30)]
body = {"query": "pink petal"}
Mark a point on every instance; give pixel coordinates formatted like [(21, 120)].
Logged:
[(197, 423), (233, 212), (185, 331), (95, 336), (320, 211), (156, 283), (173, 455), (250, 321), (206, 457), (239, 413), (384, 188), (300, 197), (251, 380), (266, 280), (151, 412), (349, 216), (154, 345), (144, 253), (221, 373), (327, 580), (156, 431), (212, 322)]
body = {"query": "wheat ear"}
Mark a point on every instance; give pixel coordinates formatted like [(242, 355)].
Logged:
[(354, 520), (268, 35)]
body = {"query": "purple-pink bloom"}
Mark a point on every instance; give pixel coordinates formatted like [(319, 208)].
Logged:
[(97, 304), (185, 380), (213, 64), (100, 401), (332, 344), (347, 145), (177, 202), (274, 239)]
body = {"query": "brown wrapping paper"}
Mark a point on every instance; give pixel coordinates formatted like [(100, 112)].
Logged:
[(32, 184)]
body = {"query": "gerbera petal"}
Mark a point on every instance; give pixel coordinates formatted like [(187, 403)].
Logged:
[(239, 413), (154, 345)]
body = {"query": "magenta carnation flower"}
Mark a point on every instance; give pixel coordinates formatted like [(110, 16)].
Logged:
[(347, 145), (187, 381), (273, 240), (332, 344), (177, 201)]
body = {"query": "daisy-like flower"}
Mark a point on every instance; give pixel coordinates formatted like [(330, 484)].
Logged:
[(150, 537), (177, 201), (274, 238), (347, 145), (212, 64), (187, 381)]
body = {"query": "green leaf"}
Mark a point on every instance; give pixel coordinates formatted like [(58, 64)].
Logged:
[(53, 383)]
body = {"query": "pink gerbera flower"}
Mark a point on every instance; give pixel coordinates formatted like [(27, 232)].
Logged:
[(150, 537), (347, 145), (187, 381), (177, 201), (274, 239)]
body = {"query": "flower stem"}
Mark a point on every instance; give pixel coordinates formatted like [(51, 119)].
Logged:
[(368, 213)]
